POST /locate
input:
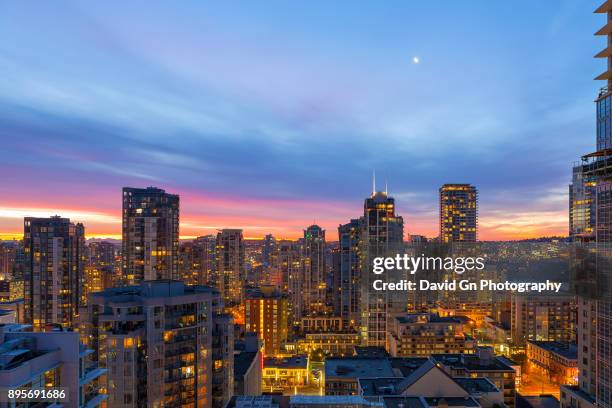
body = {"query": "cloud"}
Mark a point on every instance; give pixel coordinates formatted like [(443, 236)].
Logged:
[(265, 115)]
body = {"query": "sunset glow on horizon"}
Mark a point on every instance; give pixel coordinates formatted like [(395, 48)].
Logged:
[(287, 221)]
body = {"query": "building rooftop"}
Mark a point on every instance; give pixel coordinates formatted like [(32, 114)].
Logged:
[(355, 367), (379, 386), (579, 392), (330, 400), (404, 402), (299, 361), (432, 318), (472, 362), (404, 366), (476, 385), (370, 352), (242, 363), (562, 348), (153, 289), (541, 401), (452, 402), (260, 401), (264, 292)]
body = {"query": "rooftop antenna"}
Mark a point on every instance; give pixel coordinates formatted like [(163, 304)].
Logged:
[(373, 181), (386, 191)]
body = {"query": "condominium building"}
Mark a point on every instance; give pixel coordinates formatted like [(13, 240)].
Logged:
[(287, 265), (55, 359), (349, 265), (230, 265), (54, 251), (601, 170), (150, 234), (8, 255), (586, 339), (582, 206), (267, 314), (103, 266), (164, 344), (197, 261), (542, 317), (458, 213), (314, 273), (382, 234)]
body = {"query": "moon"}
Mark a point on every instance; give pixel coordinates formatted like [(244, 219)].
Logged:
[(416, 60)]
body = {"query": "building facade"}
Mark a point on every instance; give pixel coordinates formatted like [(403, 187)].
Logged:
[(54, 251), (150, 234), (267, 314), (558, 361), (382, 234), (314, 277), (424, 334), (54, 359), (287, 265), (230, 266), (458, 213), (582, 206), (164, 344), (542, 317), (197, 261), (349, 265)]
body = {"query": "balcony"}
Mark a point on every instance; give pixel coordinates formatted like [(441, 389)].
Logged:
[(94, 400), (91, 373)]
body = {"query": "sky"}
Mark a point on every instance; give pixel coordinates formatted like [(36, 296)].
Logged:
[(273, 116)]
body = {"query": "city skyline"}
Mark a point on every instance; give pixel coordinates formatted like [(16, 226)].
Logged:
[(320, 105), (332, 231), (388, 163)]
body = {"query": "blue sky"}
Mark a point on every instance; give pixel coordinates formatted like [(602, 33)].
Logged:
[(268, 116)]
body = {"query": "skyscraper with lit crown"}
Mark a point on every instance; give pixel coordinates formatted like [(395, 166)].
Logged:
[(382, 234)]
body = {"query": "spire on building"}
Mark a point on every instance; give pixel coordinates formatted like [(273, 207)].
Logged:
[(373, 181)]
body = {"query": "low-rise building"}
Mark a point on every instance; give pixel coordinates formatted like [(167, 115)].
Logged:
[(332, 401), (574, 397), (332, 344), (556, 360), (429, 380), (483, 364), (342, 374), (423, 334), (321, 323), (536, 401), (280, 374)]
